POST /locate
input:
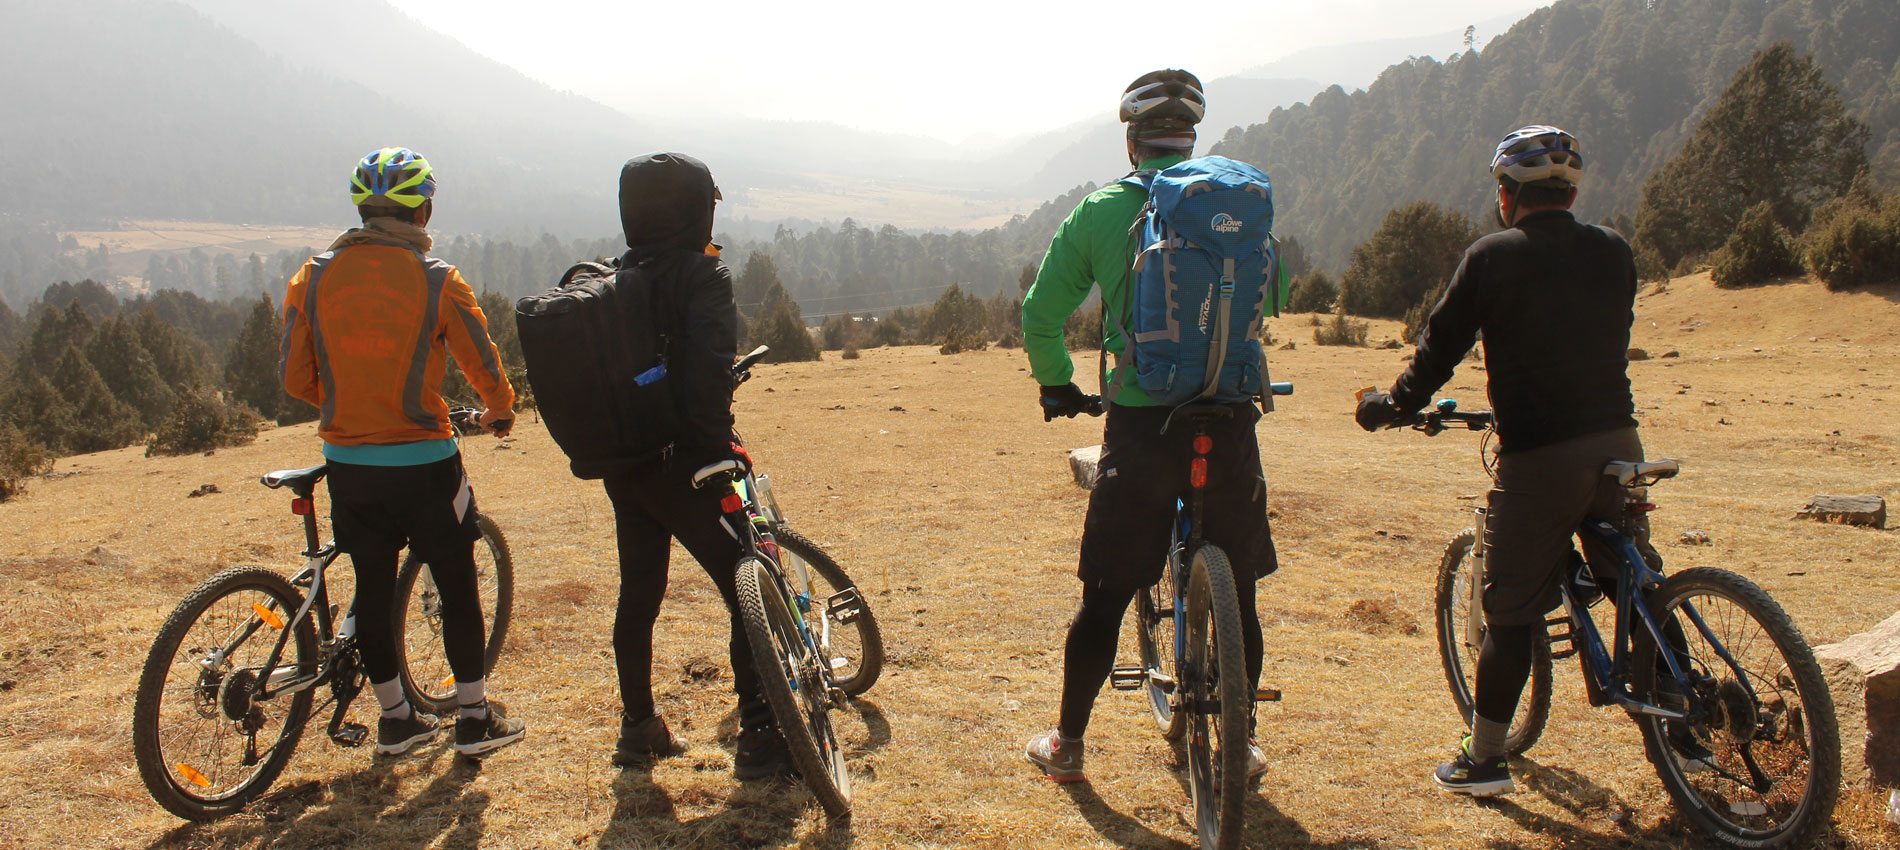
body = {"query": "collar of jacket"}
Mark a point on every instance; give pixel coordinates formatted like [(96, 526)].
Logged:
[(383, 229)]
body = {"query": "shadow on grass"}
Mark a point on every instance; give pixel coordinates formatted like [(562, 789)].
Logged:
[(361, 809), (1572, 792)]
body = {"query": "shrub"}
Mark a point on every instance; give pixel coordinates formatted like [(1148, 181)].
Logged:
[(1757, 252), (1313, 292), (850, 352), (1342, 331), (202, 421), (1083, 330), (1853, 243), (785, 332), (1413, 252), (958, 340), (838, 332), (20, 459), (886, 333)]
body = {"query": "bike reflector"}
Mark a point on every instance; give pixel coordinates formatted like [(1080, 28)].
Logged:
[(731, 504), (1203, 444), (1197, 473), (267, 615), (301, 507), (191, 773)]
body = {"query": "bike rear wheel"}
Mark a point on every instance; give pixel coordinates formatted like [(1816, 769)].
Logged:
[(1154, 644), (426, 678), (204, 743), (1766, 721), (855, 649), (795, 685), (1214, 676), (1460, 659)]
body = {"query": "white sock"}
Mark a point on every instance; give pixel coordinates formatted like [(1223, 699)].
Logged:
[(389, 695), (473, 697)]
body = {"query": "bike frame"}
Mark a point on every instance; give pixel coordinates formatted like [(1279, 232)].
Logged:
[(318, 557)]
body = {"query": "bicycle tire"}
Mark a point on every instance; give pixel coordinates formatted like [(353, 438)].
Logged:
[(426, 679), (1461, 661), (859, 673), (1780, 670), (786, 663), (1154, 645), (189, 778), (1218, 792)]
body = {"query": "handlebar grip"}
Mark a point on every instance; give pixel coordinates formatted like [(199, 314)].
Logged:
[(1095, 406), (1281, 387), (501, 425)]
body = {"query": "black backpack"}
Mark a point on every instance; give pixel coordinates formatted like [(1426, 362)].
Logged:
[(596, 347)]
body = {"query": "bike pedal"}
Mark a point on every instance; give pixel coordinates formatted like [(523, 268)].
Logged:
[(1127, 678), (845, 605), (349, 734), (1267, 695)]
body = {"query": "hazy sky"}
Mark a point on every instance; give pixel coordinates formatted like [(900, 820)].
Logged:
[(948, 70)]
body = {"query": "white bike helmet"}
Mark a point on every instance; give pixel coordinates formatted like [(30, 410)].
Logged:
[(1541, 155), (1162, 107)]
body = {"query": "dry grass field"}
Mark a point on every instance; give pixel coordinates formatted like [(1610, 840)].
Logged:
[(133, 243), (932, 479)]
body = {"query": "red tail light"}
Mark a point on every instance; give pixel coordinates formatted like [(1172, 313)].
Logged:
[(1203, 444), (301, 507), (1197, 472), (1641, 507), (732, 504)]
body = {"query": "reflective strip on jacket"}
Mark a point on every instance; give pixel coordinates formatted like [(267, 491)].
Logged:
[(366, 331)]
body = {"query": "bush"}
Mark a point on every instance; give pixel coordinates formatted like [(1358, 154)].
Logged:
[(202, 421), (1757, 252), (1414, 251), (958, 340), (850, 352), (1083, 331), (1342, 331), (785, 332), (838, 332), (20, 459), (1312, 293), (886, 333), (1853, 243)]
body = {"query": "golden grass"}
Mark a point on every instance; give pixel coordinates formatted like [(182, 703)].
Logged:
[(957, 516)]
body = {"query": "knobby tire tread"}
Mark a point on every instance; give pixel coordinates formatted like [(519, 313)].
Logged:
[(871, 665), (757, 613), (1158, 657), (498, 619), (1236, 697), (1537, 691)]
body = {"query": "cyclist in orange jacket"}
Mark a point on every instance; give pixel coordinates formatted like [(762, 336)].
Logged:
[(367, 325)]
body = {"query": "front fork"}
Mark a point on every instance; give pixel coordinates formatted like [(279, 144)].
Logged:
[(1474, 612)]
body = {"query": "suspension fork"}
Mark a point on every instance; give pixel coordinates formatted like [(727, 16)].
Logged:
[(1474, 612)]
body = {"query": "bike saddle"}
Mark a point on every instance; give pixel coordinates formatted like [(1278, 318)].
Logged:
[(298, 480), (1644, 472)]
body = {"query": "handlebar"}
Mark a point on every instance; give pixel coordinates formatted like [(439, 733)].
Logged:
[(467, 420), (706, 473), (1096, 407), (1441, 416), (742, 370)]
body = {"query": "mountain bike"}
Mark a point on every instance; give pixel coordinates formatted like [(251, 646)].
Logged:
[(813, 637), (1193, 661), (232, 674), (1735, 712)]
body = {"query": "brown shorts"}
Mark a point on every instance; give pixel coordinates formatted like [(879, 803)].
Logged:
[(1542, 496)]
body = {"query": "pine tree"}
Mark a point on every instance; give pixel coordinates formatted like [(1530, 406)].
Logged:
[(251, 370), (1777, 135), (170, 350), (56, 331), (1412, 254), (100, 421), (783, 328), (12, 327), (38, 410), (128, 370), (758, 278)]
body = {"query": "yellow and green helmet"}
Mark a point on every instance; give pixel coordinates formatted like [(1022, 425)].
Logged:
[(398, 175)]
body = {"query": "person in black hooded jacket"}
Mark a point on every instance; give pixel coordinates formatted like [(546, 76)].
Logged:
[(666, 211)]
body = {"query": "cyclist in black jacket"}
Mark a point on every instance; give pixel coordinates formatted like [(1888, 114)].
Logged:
[(1554, 300)]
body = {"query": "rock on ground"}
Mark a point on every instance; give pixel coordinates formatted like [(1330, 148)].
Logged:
[(1083, 462), (1863, 672), (1851, 510)]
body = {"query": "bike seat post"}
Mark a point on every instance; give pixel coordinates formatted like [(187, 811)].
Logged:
[(302, 504)]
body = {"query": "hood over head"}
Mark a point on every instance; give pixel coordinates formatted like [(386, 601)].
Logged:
[(666, 201)]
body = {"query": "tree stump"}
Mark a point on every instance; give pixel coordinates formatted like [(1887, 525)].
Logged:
[(1870, 511)]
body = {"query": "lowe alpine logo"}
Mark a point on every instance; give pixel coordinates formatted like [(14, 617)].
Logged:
[(1224, 223)]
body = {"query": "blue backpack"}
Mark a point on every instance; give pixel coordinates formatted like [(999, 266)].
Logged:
[(1204, 277)]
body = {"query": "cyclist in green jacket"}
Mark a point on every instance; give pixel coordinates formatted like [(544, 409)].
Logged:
[(1125, 537)]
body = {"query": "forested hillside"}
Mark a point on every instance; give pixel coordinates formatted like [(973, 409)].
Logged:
[(1630, 77)]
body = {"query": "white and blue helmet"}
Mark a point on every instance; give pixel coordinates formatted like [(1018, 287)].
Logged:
[(1539, 154)]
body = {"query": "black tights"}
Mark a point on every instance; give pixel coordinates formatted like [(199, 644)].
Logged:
[(1089, 653), (1504, 665), (374, 608)]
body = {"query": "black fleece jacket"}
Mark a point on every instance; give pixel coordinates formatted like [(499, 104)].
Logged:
[(1554, 301), (666, 209)]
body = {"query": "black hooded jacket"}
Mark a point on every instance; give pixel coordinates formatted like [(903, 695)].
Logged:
[(666, 212), (1553, 298)]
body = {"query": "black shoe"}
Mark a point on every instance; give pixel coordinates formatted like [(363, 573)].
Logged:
[(476, 736), (395, 736), (642, 741), (762, 754), (1466, 775)]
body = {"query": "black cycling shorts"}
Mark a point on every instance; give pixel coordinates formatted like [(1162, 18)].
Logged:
[(1142, 474), (384, 508)]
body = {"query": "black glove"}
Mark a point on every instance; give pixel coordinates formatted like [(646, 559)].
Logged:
[(1377, 410), (1066, 400)]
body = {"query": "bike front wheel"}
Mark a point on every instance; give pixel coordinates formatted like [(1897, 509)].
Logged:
[(205, 743), (426, 678), (1757, 762), (1459, 650), (1154, 645), (795, 685), (1213, 674), (839, 617)]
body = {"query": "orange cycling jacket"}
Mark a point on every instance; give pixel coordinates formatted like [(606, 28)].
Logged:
[(364, 333)]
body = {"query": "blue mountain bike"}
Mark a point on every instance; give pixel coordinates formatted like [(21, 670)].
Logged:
[(1735, 712)]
